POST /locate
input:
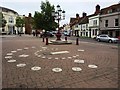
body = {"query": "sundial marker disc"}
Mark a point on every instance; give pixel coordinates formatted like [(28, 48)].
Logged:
[(77, 69), (80, 50), (57, 70), (21, 65), (35, 68), (10, 61), (9, 53), (13, 51), (79, 61), (92, 66), (8, 57)]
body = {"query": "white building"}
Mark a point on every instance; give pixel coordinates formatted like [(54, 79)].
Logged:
[(10, 17), (110, 20), (94, 25)]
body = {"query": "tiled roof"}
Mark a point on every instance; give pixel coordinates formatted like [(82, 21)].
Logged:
[(6, 9), (111, 9), (72, 20), (84, 20)]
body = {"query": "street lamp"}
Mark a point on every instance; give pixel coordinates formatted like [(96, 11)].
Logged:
[(58, 15)]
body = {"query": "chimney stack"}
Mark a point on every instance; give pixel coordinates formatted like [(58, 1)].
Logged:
[(84, 14), (77, 15), (29, 15), (97, 11)]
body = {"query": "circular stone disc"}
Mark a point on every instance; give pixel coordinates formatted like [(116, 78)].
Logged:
[(63, 58), (11, 61), (43, 57), (56, 58), (36, 54), (8, 57), (74, 56), (26, 48), (57, 70), (77, 55), (69, 57), (92, 66), (19, 49), (76, 69), (23, 55), (81, 50), (39, 56), (21, 65), (79, 61), (9, 53), (35, 68), (49, 57), (32, 47), (13, 51)]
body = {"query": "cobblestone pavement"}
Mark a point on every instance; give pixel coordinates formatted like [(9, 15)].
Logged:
[(104, 57)]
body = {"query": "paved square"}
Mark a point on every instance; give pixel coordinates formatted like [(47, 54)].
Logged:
[(27, 62)]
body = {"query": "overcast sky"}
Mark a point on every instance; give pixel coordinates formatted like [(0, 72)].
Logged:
[(71, 7)]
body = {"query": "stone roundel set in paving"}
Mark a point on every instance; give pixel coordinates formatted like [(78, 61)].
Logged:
[(39, 55)]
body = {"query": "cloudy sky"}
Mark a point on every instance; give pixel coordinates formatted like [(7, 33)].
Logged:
[(71, 7)]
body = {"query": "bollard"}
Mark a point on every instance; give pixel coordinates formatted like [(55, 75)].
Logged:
[(43, 39), (46, 41), (65, 38), (77, 43)]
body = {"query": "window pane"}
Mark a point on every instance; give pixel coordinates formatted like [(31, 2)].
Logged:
[(116, 22)]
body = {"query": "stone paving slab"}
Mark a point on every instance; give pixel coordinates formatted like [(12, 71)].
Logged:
[(104, 56)]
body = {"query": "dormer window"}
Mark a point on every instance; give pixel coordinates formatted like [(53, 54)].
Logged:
[(110, 11)]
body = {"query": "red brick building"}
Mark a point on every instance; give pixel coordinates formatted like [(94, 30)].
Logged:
[(28, 26)]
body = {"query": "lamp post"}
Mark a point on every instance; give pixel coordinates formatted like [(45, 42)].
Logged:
[(58, 15)]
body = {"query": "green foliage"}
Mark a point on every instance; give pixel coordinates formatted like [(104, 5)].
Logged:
[(20, 22), (2, 20), (38, 21), (44, 19)]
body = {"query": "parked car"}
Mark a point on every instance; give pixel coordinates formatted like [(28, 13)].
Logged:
[(47, 34), (66, 33), (54, 32), (106, 38)]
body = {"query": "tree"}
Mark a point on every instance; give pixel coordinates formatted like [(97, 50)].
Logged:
[(2, 21), (44, 19), (20, 24), (38, 21)]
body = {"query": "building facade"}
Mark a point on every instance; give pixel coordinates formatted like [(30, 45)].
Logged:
[(10, 17), (110, 20), (83, 26), (28, 25), (104, 21), (94, 26)]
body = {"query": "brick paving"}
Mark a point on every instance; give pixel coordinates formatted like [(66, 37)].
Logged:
[(104, 56)]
